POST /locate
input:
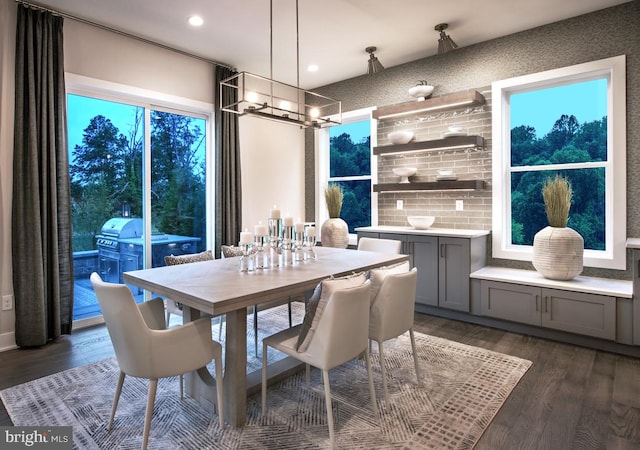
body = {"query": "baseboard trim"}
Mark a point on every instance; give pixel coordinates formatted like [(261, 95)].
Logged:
[(8, 341)]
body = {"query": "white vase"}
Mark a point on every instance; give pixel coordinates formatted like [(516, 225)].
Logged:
[(558, 253), (334, 233)]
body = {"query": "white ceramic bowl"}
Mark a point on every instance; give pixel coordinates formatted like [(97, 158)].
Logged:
[(421, 222), (400, 137), (455, 129), (445, 173), (404, 173), (422, 91)]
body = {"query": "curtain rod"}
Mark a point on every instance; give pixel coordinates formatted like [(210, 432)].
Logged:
[(122, 33)]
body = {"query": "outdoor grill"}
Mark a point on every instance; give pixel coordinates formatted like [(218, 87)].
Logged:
[(120, 247)]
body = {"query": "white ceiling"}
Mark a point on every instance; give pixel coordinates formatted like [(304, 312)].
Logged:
[(333, 33)]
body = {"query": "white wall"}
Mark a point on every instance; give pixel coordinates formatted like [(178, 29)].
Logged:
[(272, 158)]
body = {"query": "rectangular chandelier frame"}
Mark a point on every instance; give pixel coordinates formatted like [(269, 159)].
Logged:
[(269, 99)]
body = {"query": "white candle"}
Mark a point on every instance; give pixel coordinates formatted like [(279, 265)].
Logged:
[(246, 237), (311, 231), (288, 222), (299, 227), (260, 230), (275, 213)]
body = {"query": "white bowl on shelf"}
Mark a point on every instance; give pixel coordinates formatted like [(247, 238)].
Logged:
[(445, 173), (400, 137), (421, 222), (404, 173), (421, 92)]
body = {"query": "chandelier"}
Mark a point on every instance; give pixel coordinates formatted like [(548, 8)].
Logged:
[(248, 94)]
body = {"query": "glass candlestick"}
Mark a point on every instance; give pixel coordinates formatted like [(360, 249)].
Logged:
[(259, 253), (310, 243), (287, 245), (299, 253), (246, 260), (275, 228)]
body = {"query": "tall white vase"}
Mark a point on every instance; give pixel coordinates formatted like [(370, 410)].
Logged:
[(334, 233), (558, 253)]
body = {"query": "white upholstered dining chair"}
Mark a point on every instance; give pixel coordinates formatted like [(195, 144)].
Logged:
[(145, 348), (339, 336), (391, 315), (380, 245)]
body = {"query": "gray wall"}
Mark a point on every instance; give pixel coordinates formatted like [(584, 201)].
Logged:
[(606, 33)]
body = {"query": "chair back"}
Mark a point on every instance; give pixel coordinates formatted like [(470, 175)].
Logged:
[(171, 260), (380, 245), (342, 331), (130, 335), (393, 308)]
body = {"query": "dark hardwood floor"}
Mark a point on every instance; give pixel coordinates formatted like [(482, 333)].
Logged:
[(571, 398)]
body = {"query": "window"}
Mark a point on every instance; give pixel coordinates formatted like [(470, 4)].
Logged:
[(345, 158), (141, 168), (568, 121)]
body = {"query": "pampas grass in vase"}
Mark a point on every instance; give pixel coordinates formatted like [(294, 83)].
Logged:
[(557, 249), (333, 196), (334, 231), (557, 194)]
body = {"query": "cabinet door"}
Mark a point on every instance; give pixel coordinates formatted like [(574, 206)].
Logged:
[(424, 251), (453, 273), (368, 234), (577, 312), (508, 301)]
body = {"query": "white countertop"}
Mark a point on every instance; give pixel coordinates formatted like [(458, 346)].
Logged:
[(448, 232), (592, 285)]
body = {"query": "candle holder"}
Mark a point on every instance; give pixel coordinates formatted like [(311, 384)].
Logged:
[(309, 244), (299, 253), (275, 229), (287, 245), (259, 255), (247, 259)]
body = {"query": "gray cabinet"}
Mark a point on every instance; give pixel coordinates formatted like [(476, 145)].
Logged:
[(444, 265), (575, 312)]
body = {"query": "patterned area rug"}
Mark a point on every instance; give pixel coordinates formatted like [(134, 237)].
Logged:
[(463, 388)]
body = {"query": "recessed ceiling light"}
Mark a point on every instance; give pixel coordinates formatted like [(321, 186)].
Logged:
[(195, 21), (312, 68)]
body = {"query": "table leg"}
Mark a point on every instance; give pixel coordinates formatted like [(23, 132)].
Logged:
[(235, 368)]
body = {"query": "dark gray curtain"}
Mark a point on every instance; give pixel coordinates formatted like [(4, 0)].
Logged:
[(228, 180), (41, 216)]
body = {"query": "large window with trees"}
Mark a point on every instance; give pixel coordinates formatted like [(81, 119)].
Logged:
[(345, 159), (570, 122), (133, 161)]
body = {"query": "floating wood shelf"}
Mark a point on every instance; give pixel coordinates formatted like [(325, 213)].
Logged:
[(450, 142), (456, 100), (431, 186)]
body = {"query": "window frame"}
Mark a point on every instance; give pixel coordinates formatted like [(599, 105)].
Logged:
[(613, 69), (322, 160)]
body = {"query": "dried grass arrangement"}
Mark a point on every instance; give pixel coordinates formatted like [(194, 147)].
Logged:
[(333, 196), (557, 194)]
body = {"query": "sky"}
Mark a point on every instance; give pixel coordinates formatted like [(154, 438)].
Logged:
[(541, 108), (357, 130)]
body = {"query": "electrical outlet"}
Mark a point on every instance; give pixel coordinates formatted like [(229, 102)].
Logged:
[(399, 204), (459, 205), (7, 302)]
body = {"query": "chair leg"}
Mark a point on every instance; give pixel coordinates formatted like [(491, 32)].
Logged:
[(384, 372), (255, 329), (308, 373), (219, 389), (327, 395), (264, 378), (220, 322), (116, 398), (153, 387), (168, 317), (372, 389), (181, 387), (290, 319), (415, 357)]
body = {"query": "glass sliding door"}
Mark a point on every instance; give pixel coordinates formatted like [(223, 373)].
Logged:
[(105, 157)]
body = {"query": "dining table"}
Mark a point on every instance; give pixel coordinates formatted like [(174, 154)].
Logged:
[(211, 288)]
